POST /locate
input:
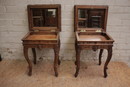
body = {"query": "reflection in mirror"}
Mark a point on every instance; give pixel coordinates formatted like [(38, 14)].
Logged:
[(50, 17), (82, 13), (44, 17), (96, 21), (89, 18), (37, 17)]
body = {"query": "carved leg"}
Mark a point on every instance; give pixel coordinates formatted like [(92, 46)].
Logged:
[(75, 51), (58, 55), (100, 56), (59, 60), (0, 58), (29, 63), (107, 61), (56, 51), (34, 55), (77, 61)]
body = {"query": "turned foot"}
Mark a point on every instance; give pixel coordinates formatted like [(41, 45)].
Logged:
[(77, 72), (105, 72), (29, 73), (107, 61), (105, 76), (28, 60), (56, 74)]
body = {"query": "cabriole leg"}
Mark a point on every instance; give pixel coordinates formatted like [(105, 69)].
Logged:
[(77, 61), (75, 51), (100, 56), (27, 58), (56, 52), (107, 61), (34, 55), (58, 55)]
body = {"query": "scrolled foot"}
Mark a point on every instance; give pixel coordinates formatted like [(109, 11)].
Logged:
[(105, 76), (76, 74), (55, 70), (56, 74), (29, 73), (105, 72)]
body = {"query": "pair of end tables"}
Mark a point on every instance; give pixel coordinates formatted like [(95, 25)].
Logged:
[(89, 26)]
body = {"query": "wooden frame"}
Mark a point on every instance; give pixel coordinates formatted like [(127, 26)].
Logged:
[(42, 37), (76, 7), (92, 38), (49, 6)]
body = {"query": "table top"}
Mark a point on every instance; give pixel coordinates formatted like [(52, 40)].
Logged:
[(41, 37), (92, 38)]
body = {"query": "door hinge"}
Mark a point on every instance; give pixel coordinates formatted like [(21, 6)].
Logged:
[(83, 30), (98, 31), (36, 30)]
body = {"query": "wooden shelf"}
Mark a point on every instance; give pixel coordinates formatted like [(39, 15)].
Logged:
[(82, 19), (37, 17)]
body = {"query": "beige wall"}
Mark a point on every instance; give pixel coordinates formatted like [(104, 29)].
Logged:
[(14, 25)]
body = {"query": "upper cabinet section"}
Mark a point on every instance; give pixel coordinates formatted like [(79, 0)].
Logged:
[(44, 17), (90, 17)]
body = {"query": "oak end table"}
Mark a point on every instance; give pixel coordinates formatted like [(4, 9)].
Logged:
[(90, 31), (44, 27)]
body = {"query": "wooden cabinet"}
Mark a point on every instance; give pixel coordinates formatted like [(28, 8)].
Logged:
[(90, 29), (44, 27)]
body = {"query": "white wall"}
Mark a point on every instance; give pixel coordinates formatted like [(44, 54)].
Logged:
[(14, 25)]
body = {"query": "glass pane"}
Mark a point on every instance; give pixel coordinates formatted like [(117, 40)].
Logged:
[(82, 13), (37, 12), (44, 17), (96, 18), (90, 18), (50, 17), (82, 18), (82, 24), (37, 22)]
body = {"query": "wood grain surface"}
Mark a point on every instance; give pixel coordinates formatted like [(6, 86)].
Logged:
[(41, 37)]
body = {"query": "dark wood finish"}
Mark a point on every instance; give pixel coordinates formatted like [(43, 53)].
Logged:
[(43, 8), (34, 55), (91, 37), (92, 10), (100, 56), (43, 32), (0, 58)]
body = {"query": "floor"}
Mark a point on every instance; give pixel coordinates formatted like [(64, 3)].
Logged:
[(13, 73)]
